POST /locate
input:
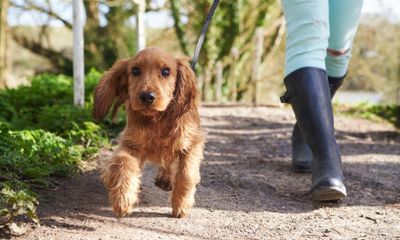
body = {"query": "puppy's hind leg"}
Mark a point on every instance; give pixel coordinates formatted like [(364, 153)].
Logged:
[(187, 177), (163, 179), (121, 176)]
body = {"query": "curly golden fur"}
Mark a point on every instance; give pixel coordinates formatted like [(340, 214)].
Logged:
[(163, 127)]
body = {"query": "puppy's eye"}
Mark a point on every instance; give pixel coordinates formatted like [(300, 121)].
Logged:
[(136, 71), (165, 72)]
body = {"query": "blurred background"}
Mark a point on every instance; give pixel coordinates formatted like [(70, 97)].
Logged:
[(241, 61)]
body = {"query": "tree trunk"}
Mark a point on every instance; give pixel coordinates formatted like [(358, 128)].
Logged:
[(180, 33), (92, 14), (3, 42), (79, 64)]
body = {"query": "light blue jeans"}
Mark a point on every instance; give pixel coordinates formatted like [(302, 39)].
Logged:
[(320, 34)]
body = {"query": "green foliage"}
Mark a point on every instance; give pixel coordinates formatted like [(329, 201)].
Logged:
[(35, 155), (390, 113), (43, 136), (14, 204), (230, 39)]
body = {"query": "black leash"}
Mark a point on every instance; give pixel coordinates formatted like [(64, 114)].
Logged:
[(203, 33)]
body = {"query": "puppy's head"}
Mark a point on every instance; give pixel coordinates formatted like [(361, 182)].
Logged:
[(153, 82)]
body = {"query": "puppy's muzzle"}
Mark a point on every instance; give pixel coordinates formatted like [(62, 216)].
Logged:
[(147, 98)]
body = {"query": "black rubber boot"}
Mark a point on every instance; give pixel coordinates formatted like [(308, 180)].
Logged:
[(308, 93), (301, 152)]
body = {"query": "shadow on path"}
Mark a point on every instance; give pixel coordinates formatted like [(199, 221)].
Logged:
[(246, 168)]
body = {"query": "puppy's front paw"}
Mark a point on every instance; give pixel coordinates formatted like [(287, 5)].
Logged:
[(163, 183), (181, 209), (180, 212), (122, 203)]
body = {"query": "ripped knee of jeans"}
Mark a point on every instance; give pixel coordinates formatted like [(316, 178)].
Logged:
[(337, 53)]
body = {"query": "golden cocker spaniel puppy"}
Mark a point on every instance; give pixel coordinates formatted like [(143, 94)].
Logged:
[(163, 127)]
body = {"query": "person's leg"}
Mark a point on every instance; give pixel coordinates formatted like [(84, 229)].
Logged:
[(344, 18), (307, 36), (301, 152), (307, 25), (308, 92), (343, 22)]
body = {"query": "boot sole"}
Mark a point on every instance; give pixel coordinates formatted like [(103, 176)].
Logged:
[(301, 170), (328, 193)]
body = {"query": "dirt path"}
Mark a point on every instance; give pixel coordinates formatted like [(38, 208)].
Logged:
[(248, 190)]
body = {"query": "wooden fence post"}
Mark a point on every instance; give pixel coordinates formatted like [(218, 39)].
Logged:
[(200, 84), (78, 52), (140, 25), (233, 74), (3, 41), (207, 76), (219, 79), (255, 74)]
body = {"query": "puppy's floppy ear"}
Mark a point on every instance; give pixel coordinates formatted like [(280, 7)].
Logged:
[(185, 88), (112, 85), (185, 93)]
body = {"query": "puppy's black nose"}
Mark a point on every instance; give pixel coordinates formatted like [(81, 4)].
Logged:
[(147, 98)]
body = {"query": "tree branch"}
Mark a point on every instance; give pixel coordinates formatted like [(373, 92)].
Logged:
[(178, 26), (29, 7), (58, 59)]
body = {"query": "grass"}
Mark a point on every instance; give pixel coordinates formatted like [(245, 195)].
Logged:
[(42, 137), (377, 112)]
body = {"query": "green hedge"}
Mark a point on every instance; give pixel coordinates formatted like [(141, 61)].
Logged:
[(43, 136)]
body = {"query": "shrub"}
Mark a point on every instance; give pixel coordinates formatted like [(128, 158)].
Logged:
[(14, 204), (29, 158), (43, 136), (389, 113), (36, 154)]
